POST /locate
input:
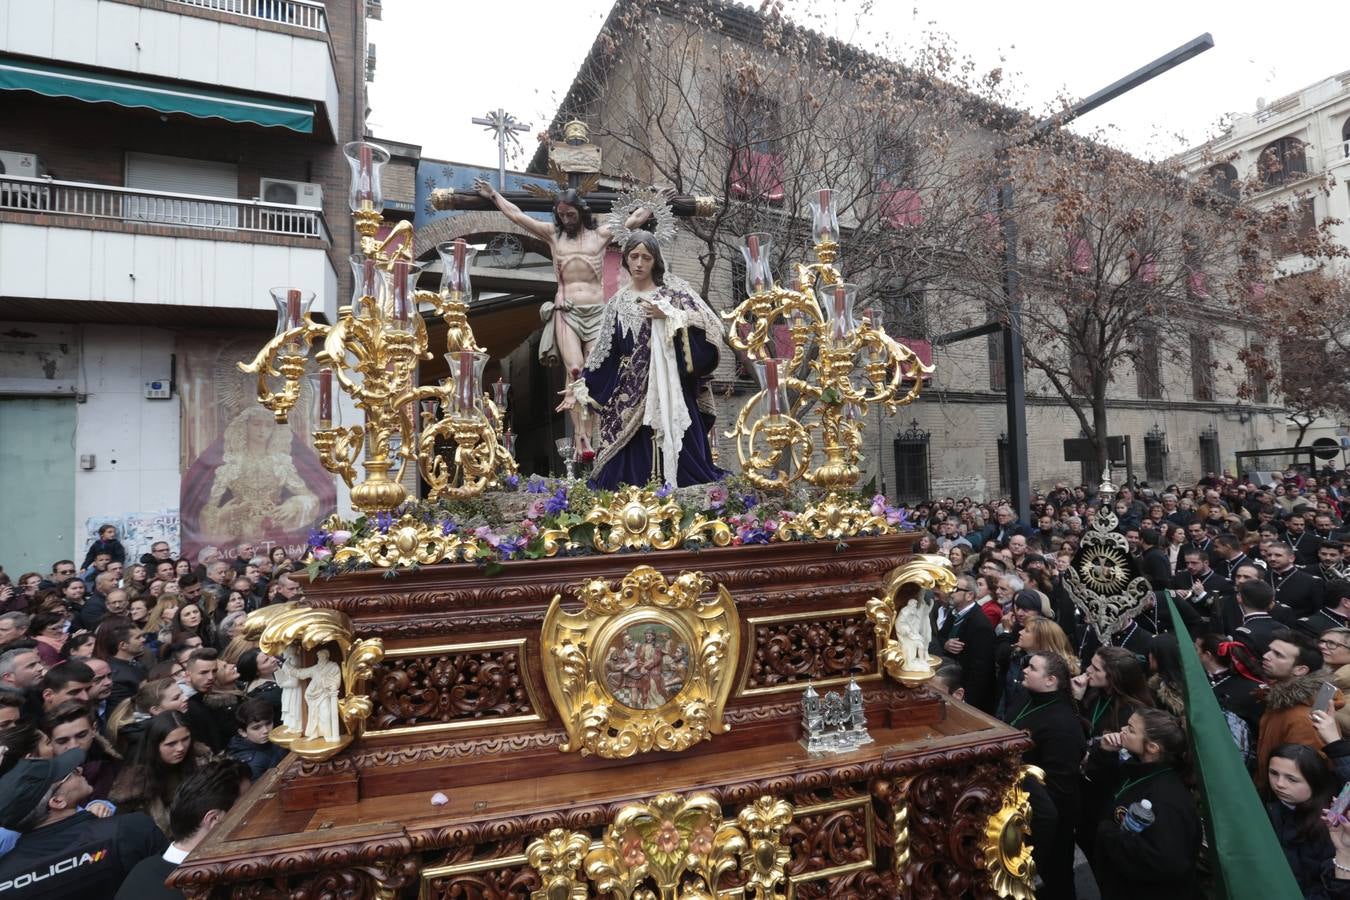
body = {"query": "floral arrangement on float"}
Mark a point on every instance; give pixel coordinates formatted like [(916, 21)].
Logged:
[(537, 518)]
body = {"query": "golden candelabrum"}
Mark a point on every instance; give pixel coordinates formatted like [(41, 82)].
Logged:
[(815, 395), (372, 352)]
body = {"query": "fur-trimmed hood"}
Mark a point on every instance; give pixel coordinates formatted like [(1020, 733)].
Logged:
[(1300, 690)]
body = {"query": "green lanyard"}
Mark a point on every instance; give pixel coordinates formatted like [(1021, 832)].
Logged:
[(1099, 710), (1029, 710), (1137, 781)]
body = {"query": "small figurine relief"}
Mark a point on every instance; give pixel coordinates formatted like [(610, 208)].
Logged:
[(836, 723)]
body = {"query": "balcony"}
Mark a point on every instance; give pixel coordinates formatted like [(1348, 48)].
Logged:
[(1338, 155), (300, 13), (64, 240), (270, 48)]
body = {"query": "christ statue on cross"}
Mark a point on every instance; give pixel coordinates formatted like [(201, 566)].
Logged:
[(572, 321)]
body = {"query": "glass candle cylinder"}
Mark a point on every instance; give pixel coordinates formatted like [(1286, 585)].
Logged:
[(824, 219), (509, 442), (757, 249), (501, 392), (292, 307), (456, 260), (366, 162), (837, 300), (367, 281), (772, 376), (321, 389), (400, 311), (430, 409), (466, 370)]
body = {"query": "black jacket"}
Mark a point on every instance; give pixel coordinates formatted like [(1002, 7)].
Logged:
[(1058, 747), (1155, 566), (146, 881), (972, 628), (127, 677), (1320, 622), (258, 757), (79, 858), (1159, 862), (206, 724), (1297, 590), (1256, 632), (1305, 857)]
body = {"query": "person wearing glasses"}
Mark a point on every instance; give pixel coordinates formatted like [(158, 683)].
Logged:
[(62, 571), (1335, 647), (966, 636)]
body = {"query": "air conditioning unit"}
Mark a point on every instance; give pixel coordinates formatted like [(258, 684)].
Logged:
[(28, 165), (291, 193)]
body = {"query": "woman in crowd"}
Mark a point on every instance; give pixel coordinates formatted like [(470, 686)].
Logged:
[(959, 554), (1301, 786), (136, 577), (1112, 689), (127, 723), (182, 566), (189, 621), (228, 629), (257, 676), (1173, 540), (1159, 862), (1335, 647), (79, 645), (1165, 682), (986, 594), (280, 562), (162, 762), (25, 593), (1039, 635), (48, 628)]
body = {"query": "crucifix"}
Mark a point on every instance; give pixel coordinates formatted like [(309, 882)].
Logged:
[(506, 126)]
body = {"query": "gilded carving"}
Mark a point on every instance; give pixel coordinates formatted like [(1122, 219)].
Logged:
[(893, 632), (645, 667), (835, 519), (292, 629), (1007, 852), (671, 848)]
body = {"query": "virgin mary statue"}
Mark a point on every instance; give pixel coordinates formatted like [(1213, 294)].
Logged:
[(649, 376)]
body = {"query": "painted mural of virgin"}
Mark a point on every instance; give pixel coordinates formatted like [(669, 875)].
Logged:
[(246, 479)]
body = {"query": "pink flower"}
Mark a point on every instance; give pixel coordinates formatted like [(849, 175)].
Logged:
[(717, 495), (536, 509), (667, 839), (322, 552), (631, 849), (701, 843), (341, 537), (878, 509)]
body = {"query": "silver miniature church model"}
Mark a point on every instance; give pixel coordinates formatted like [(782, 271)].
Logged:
[(835, 724)]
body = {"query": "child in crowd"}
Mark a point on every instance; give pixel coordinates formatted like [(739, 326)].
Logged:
[(250, 744)]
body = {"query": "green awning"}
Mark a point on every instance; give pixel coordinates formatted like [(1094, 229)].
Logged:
[(101, 87)]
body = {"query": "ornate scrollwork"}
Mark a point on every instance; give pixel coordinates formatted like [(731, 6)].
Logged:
[(280, 628), (1007, 853), (672, 848), (926, 573), (1103, 579), (796, 648), (833, 518), (407, 542), (646, 667), (445, 685), (637, 519)]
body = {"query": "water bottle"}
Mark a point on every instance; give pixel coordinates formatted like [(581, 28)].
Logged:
[(1138, 817)]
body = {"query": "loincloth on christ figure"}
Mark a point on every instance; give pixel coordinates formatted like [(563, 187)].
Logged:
[(585, 320)]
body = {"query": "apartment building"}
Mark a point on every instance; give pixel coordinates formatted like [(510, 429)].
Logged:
[(164, 164)]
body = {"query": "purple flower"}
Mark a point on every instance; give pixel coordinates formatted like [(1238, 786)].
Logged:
[(510, 546), (557, 503), (511, 481), (536, 485), (384, 521), (665, 490), (485, 533), (448, 526), (318, 538), (341, 537)]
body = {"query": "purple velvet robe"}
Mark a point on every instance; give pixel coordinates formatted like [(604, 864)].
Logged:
[(618, 384)]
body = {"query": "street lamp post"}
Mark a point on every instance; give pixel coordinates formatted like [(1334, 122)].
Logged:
[(1014, 380)]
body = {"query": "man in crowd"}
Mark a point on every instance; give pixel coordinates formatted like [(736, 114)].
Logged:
[(966, 636), (65, 852), (1295, 589), (1292, 668), (1336, 614), (199, 806), (21, 668), (1210, 593), (1259, 627), (70, 680)]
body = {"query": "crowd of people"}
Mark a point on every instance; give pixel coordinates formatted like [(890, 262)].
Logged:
[(133, 713), (1256, 573)]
